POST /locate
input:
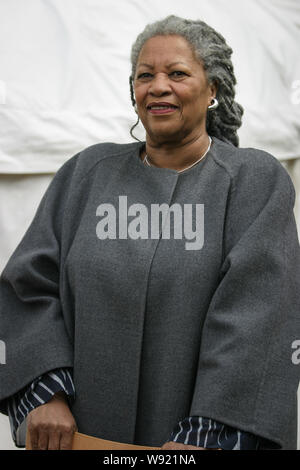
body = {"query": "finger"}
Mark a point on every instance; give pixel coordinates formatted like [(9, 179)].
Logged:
[(54, 440), (34, 438), (43, 440), (66, 440)]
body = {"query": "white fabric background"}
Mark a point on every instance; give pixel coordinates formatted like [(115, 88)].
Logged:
[(64, 68)]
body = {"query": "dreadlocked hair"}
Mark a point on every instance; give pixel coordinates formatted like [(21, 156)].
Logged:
[(210, 48)]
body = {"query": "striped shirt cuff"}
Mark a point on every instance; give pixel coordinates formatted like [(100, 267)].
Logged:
[(211, 434), (38, 393)]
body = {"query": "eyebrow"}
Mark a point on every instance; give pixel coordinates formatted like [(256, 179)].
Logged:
[(168, 66)]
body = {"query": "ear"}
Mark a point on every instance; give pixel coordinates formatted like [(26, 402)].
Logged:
[(213, 89)]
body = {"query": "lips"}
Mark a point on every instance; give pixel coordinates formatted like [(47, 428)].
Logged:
[(161, 105)]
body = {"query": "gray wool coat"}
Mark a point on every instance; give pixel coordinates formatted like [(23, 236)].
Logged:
[(160, 327)]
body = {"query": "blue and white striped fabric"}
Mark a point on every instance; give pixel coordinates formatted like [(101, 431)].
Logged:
[(194, 430), (38, 393), (208, 433)]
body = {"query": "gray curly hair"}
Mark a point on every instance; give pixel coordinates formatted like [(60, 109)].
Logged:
[(211, 49)]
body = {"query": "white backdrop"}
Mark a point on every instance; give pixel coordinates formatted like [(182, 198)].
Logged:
[(64, 68)]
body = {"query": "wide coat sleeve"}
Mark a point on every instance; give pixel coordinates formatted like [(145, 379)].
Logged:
[(32, 325), (246, 377)]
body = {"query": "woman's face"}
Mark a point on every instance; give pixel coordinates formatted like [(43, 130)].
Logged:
[(168, 72)]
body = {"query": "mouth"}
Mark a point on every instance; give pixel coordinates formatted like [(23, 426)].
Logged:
[(162, 109)]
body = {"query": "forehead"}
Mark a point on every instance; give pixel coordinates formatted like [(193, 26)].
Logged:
[(167, 49)]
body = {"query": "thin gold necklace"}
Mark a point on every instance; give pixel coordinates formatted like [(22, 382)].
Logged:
[(184, 169)]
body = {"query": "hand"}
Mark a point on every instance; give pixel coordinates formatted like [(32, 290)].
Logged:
[(52, 425), (178, 446)]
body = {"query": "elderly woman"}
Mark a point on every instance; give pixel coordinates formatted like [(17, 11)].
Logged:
[(154, 299)]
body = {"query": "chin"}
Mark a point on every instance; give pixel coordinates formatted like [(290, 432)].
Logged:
[(161, 133)]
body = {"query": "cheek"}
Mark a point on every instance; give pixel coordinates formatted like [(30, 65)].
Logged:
[(188, 96), (199, 103), (139, 93)]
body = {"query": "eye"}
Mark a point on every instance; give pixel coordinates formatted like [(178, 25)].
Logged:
[(144, 75), (178, 72)]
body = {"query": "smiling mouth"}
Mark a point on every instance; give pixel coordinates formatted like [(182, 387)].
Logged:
[(162, 109)]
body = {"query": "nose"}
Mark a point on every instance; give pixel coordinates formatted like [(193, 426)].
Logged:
[(160, 84)]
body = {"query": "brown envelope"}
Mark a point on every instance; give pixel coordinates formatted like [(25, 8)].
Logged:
[(85, 442)]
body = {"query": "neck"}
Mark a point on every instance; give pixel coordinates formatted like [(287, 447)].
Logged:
[(178, 156)]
